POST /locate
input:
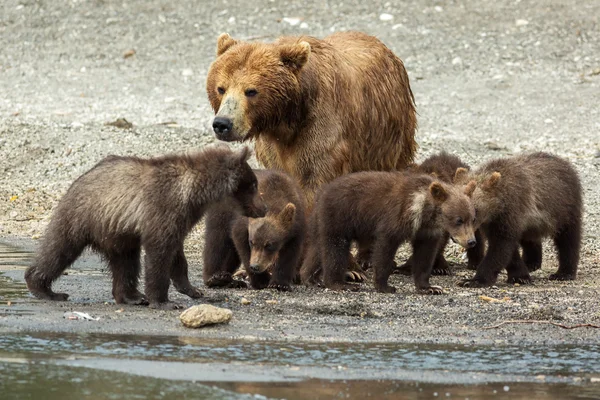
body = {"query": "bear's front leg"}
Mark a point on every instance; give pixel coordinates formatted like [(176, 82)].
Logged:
[(180, 278), (499, 254), (159, 258), (286, 266), (425, 251), (383, 252)]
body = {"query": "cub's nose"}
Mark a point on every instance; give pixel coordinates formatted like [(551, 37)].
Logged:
[(471, 243), (254, 267), (222, 125)]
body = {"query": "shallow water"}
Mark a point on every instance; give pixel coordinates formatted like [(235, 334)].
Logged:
[(89, 366)]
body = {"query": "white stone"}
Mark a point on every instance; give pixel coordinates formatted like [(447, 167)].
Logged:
[(204, 314), (386, 17), (292, 21), (521, 22)]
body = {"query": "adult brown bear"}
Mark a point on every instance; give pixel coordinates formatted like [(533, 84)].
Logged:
[(317, 108)]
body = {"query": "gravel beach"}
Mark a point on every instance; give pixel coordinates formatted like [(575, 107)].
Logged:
[(490, 78)]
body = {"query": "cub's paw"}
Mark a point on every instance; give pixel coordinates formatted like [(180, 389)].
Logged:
[(169, 305), (441, 271), (474, 283), (521, 280), (531, 267), (135, 299), (386, 289), (240, 274), (237, 284), (355, 276), (58, 296), (344, 287), (435, 290), (280, 287), (404, 269), (222, 279), (561, 277)]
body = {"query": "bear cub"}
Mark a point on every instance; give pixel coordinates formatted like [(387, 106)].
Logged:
[(269, 248), (521, 200), (381, 210), (125, 203), (443, 166)]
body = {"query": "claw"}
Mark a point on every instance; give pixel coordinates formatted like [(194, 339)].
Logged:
[(281, 288), (562, 277), (240, 273), (434, 290), (355, 276)]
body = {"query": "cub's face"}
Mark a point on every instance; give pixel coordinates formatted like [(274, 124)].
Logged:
[(250, 85), (457, 211), (266, 237), (485, 196)]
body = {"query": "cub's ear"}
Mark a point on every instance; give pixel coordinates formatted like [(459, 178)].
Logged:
[(287, 215), (295, 55), (491, 182), (224, 42), (470, 188), (438, 192), (244, 154), (460, 175)]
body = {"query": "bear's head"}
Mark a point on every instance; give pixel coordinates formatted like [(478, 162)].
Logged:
[(267, 235), (486, 199), (246, 189), (457, 211), (253, 87)]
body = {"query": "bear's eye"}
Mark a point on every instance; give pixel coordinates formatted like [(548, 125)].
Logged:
[(250, 242), (250, 92), (221, 90), (269, 247), (459, 221)]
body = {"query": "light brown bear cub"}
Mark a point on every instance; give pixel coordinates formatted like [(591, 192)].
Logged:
[(124, 203), (269, 248), (519, 201), (443, 166), (382, 210)]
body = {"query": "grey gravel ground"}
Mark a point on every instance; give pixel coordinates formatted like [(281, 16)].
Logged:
[(491, 78)]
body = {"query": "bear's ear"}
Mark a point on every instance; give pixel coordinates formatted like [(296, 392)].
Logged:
[(460, 175), (294, 55), (470, 188), (491, 182), (438, 192), (287, 215), (224, 42)]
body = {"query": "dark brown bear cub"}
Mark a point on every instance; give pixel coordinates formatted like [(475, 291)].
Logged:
[(383, 210), (124, 203), (443, 166), (519, 201), (269, 248)]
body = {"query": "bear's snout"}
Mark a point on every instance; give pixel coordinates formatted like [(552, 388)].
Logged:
[(222, 127), (255, 268)]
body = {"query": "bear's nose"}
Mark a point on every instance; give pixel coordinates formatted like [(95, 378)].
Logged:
[(471, 243), (222, 125), (254, 267)]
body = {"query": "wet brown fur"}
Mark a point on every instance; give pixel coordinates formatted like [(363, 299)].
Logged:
[(124, 203), (323, 108), (382, 210), (443, 166), (269, 248), (519, 201)]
